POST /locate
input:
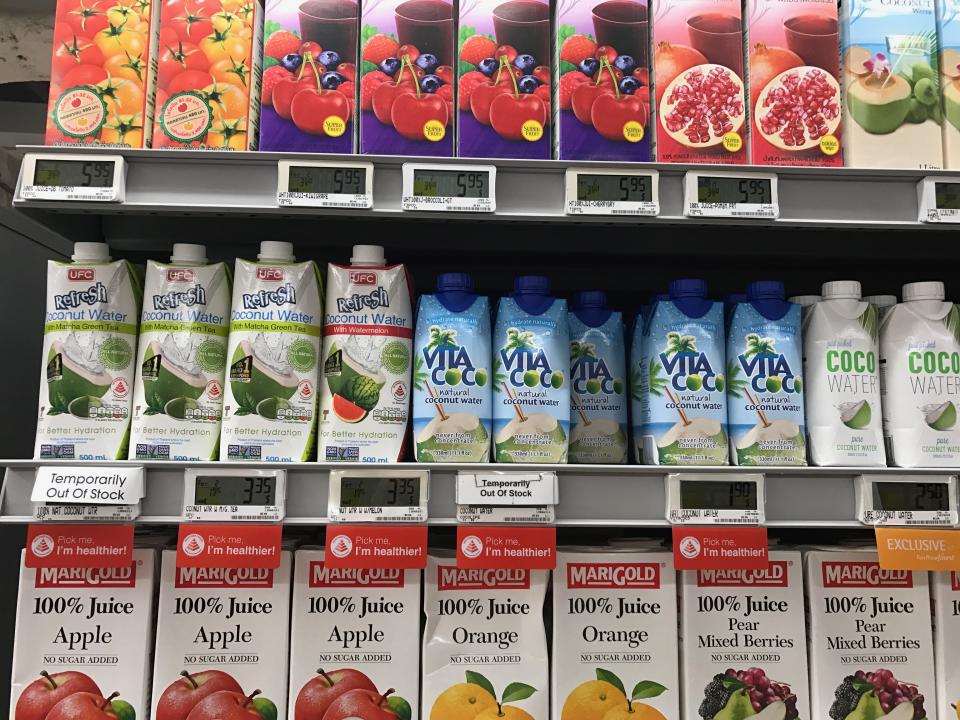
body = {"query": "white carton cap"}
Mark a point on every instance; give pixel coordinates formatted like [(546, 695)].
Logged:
[(276, 250), (90, 252), (804, 300), (841, 290), (931, 290), (189, 254), (368, 256), (881, 301)]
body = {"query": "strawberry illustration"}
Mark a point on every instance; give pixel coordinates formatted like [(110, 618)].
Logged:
[(576, 48), (370, 82), (469, 81), (568, 83), (271, 76), (476, 48), (379, 48), (281, 43)]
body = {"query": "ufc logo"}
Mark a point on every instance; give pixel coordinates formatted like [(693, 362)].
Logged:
[(269, 273), (81, 274), (179, 275), (359, 277)]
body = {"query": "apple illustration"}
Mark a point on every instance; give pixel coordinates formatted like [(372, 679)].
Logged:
[(39, 697), (182, 695), (226, 705), (84, 706), (75, 102), (386, 94), (583, 97), (481, 98), (368, 705), (611, 113), (411, 112), (320, 691), (509, 112), (311, 107)]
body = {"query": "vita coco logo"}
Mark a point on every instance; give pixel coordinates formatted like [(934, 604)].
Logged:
[(94, 295), (863, 575), (775, 575), (354, 303), (449, 363), (87, 577), (526, 364), (644, 576), (224, 577), (175, 298), (589, 373), (322, 576), (454, 578), (687, 367), (767, 369), (281, 296)]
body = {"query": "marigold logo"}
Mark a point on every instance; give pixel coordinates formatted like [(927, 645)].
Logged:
[(270, 273), (81, 274), (224, 577), (193, 545), (179, 275), (87, 577), (471, 547), (322, 576), (341, 546), (690, 547), (775, 575), (864, 574), (613, 575), (955, 581), (454, 578), (42, 545), (363, 277)]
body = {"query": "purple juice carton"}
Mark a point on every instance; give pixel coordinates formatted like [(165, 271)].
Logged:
[(505, 79), (603, 80), (309, 92), (406, 86)]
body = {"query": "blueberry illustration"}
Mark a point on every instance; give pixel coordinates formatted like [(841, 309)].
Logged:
[(589, 66), (624, 63), (329, 58), (430, 83), (525, 63), (427, 62), (629, 85), (331, 80), (292, 61), (488, 66), (390, 66), (527, 84)]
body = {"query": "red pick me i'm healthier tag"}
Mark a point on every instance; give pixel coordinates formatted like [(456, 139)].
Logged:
[(372, 547), (77, 546), (219, 545), (492, 548), (720, 548)]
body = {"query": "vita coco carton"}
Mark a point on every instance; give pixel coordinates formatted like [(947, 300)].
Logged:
[(355, 635), (83, 631), (871, 641), (946, 602), (614, 634), (227, 626), (948, 29), (744, 641)]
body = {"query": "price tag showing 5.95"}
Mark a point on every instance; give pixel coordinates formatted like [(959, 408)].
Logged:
[(907, 500), (303, 183), (730, 194), (708, 499), (449, 188), (75, 176)]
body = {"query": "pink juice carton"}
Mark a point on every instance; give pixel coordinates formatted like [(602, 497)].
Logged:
[(309, 94), (504, 91), (793, 69), (699, 81), (604, 80), (406, 92)]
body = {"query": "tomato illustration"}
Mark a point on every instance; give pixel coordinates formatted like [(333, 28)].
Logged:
[(231, 71), (177, 57), (189, 80), (221, 45), (122, 96), (128, 67), (83, 75), (76, 51), (116, 39), (86, 17), (227, 100)]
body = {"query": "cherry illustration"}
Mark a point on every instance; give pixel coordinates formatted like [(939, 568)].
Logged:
[(410, 111), (583, 97)]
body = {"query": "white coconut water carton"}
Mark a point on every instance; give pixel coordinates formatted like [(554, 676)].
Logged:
[(883, 304), (871, 642), (484, 647), (531, 345), (178, 393), (806, 303), (842, 364), (452, 396), (946, 601), (920, 378), (614, 634), (764, 379), (355, 635), (744, 642), (83, 630), (89, 344), (367, 347), (269, 411), (598, 408)]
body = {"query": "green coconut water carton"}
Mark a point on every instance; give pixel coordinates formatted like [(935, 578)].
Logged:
[(269, 410), (90, 335), (178, 393)]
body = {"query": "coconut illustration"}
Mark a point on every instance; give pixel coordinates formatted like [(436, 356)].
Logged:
[(355, 389), (74, 371), (855, 415), (940, 416), (169, 372), (705, 434), (776, 434), (855, 62), (259, 370), (535, 433), (879, 102), (463, 429), (601, 439)]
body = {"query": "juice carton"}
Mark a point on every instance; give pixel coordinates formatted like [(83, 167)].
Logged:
[(309, 93), (504, 88), (614, 632), (793, 66), (946, 601), (948, 34), (604, 80), (891, 85), (353, 640), (407, 85), (208, 85), (102, 75), (699, 81), (222, 641), (83, 640), (745, 648)]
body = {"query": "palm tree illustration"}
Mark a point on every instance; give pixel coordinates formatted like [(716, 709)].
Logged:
[(676, 343), (438, 338), (516, 340), (757, 345), (580, 351)]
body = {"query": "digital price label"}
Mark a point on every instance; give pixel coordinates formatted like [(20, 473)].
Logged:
[(938, 200), (328, 184), (734, 195), (600, 191), (454, 188), (709, 499), (86, 177), (230, 495), (378, 496), (907, 501)]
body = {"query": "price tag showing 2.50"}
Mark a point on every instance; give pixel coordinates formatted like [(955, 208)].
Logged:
[(731, 195), (303, 183), (907, 500), (82, 177), (378, 495), (234, 495), (449, 188), (708, 499)]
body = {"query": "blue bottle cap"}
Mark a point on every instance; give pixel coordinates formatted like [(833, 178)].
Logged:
[(455, 282), (589, 299), (659, 297), (765, 290), (688, 287), (532, 285)]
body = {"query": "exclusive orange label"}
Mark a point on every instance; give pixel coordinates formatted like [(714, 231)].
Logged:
[(913, 549)]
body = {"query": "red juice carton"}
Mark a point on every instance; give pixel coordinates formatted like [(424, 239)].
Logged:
[(698, 82), (793, 69), (604, 80), (309, 93), (406, 90), (505, 69), (102, 73)]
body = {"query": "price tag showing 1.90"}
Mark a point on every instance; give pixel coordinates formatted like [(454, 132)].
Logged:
[(93, 178), (449, 188), (234, 495), (378, 495), (331, 184), (733, 195), (707, 499), (601, 191), (904, 500)]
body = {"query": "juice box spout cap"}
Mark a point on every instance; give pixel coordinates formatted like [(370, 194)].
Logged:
[(276, 251), (531, 285), (455, 291), (90, 252), (189, 254), (659, 297), (589, 299), (841, 290), (923, 291), (805, 300), (688, 287), (881, 301), (368, 256), (765, 290)]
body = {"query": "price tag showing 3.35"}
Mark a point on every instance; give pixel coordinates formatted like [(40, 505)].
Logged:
[(707, 499), (907, 500), (234, 495), (378, 495)]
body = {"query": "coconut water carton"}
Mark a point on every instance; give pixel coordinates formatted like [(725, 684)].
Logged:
[(178, 393), (890, 62), (841, 364), (680, 408), (614, 635), (883, 303), (920, 378), (806, 303), (745, 642), (598, 408), (89, 343), (764, 379), (367, 343), (531, 342), (452, 397), (948, 34), (946, 601), (269, 410), (484, 646)]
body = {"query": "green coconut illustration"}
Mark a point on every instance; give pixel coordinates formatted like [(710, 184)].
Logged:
[(940, 416), (856, 415), (472, 438), (356, 390), (879, 102), (536, 432), (164, 378), (252, 379), (69, 379)]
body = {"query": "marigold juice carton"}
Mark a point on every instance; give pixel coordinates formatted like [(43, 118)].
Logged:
[(309, 92), (946, 601), (604, 80), (891, 84), (744, 642), (614, 633), (208, 84), (505, 73), (83, 640), (871, 642), (354, 638), (408, 58), (89, 343), (484, 647), (102, 74), (699, 81), (222, 641)]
